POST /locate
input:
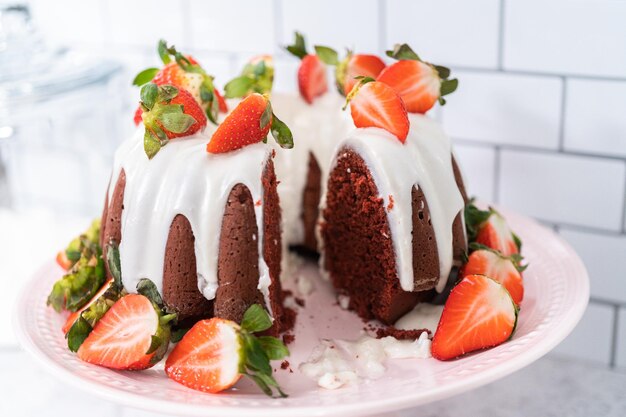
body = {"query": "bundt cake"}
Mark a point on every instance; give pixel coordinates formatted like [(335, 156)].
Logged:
[(204, 228)]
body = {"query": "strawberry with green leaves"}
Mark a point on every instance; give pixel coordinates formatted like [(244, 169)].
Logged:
[(216, 353), (489, 228), (312, 80), (349, 68), (505, 270), (257, 76), (249, 123), (375, 104), (71, 254), (478, 314), (184, 72), (85, 275), (168, 113), (419, 83)]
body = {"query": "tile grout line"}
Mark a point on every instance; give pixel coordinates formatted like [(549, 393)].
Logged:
[(606, 302), (624, 208), (187, 32), (563, 114), (382, 25), (614, 341), (278, 23), (501, 36), (549, 151), (530, 73), (496, 175)]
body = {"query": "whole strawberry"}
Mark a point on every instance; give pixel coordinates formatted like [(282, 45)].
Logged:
[(184, 72), (375, 104), (489, 228), (419, 83), (168, 112), (249, 123)]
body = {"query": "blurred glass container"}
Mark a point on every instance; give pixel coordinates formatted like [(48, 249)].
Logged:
[(59, 122)]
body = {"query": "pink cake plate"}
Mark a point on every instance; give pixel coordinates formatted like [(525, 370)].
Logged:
[(557, 292)]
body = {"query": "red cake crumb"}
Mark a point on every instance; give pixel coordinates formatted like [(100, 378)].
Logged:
[(288, 338), (284, 365), (390, 205), (299, 301), (399, 333)]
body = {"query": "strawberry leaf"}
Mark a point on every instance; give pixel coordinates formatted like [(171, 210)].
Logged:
[(256, 319), (474, 218), (163, 52), (266, 116), (145, 76), (448, 87), (78, 333), (149, 95), (149, 290), (167, 92), (238, 87), (328, 55), (113, 262), (151, 145), (403, 52), (176, 122), (274, 348), (281, 133), (259, 69), (444, 72), (299, 46)]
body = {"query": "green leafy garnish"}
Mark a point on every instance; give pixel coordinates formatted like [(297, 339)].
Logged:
[(86, 275), (299, 46), (328, 55), (145, 76), (257, 351)]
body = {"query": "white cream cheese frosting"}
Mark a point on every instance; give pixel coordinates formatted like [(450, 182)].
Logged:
[(423, 160), (183, 179)]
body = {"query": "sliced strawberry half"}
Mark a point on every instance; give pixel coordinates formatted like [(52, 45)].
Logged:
[(478, 314), (312, 80), (74, 316), (208, 357), (375, 104), (419, 83), (502, 269), (215, 353), (496, 234), (249, 123), (416, 82), (128, 336), (490, 229), (354, 66)]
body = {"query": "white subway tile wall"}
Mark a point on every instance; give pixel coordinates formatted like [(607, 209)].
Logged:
[(538, 118)]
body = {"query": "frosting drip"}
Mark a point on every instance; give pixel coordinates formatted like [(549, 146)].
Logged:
[(183, 179), (423, 160)]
